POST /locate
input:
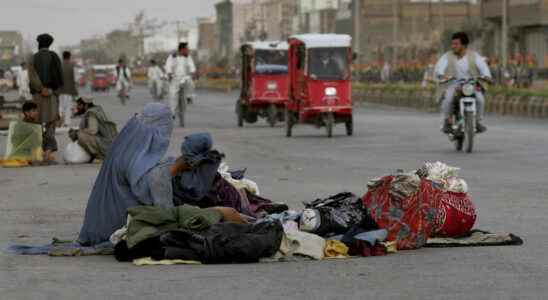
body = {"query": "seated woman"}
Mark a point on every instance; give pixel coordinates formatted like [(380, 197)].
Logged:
[(133, 173), (201, 184)]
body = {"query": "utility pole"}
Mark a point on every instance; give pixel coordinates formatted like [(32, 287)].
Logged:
[(395, 30), (442, 17), (357, 30), (504, 39)]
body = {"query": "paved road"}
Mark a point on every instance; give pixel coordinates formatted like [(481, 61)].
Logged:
[(507, 177)]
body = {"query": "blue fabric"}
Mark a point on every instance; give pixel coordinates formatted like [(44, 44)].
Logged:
[(122, 180), (372, 237), (66, 248), (196, 147), (191, 186)]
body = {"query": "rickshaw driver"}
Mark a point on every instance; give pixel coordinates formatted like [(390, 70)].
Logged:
[(328, 66)]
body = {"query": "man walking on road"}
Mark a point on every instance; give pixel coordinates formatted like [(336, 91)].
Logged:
[(46, 79), (69, 91), (179, 66), (155, 84)]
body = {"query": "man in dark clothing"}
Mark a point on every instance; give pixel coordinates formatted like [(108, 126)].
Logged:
[(46, 78)]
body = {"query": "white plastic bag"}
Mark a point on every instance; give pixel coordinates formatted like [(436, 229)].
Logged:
[(75, 154)]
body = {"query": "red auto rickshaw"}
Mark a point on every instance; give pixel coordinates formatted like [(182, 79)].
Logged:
[(320, 81), (99, 81), (265, 83)]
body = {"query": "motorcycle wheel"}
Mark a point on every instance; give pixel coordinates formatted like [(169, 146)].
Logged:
[(288, 123), (240, 113), (122, 97), (469, 131), (272, 115), (349, 127), (329, 124), (181, 108), (459, 143)]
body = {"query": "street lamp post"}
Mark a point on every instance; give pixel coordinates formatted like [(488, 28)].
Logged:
[(395, 30), (504, 39), (357, 29)]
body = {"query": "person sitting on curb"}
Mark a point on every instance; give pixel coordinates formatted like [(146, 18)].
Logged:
[(97, 130)]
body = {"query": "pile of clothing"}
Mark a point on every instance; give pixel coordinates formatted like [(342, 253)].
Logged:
[(218, 216), (333, 227), (193, 234), (431, 201), (400, 211)]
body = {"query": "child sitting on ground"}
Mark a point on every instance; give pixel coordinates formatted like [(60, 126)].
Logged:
[(24, 143)]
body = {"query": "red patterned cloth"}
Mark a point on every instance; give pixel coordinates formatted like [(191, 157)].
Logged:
[(409, 222), (456, 215)]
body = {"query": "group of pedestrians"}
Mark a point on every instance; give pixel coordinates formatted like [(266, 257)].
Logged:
[(49, 86)]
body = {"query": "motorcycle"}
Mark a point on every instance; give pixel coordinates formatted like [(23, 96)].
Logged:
[(465, 110)]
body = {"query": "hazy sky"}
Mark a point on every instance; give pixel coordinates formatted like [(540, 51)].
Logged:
[(71, 20)]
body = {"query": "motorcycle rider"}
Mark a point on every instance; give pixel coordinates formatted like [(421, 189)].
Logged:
[(461, 63), (178, 66), (155, 75)]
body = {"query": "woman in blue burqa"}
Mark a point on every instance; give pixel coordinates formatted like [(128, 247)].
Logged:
[(132, 174)]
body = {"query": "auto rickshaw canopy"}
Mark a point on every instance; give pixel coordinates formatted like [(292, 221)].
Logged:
[(329, 40)]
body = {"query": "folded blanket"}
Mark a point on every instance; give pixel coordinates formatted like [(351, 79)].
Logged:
[(476, 238)]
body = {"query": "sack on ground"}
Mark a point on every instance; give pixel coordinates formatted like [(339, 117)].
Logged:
[(75, 154)]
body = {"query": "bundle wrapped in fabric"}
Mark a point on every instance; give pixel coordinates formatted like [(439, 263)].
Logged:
[(413, 208), (75, 154), (409, 221)]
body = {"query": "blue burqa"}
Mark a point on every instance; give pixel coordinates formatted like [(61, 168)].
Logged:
[(191, 186), (122, 180)]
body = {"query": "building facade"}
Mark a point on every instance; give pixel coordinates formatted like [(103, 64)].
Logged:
[(11, 48), (207, 35), (407, 28), (528, 28)]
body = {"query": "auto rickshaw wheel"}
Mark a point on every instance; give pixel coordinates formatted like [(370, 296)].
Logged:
[(250, 117), (288, 123), (272, 115), (329, 123), (240, 113), (349, 127)]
